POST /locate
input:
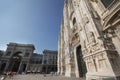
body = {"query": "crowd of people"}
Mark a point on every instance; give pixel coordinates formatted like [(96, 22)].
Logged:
[(8, 75)]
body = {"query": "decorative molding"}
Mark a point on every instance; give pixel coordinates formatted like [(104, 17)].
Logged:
[(75, 39), (94, 1)]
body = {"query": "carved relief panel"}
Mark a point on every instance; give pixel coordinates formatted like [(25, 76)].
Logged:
[(90, 64), (75, 39), (91, 37), (117, 31), (102, 61)]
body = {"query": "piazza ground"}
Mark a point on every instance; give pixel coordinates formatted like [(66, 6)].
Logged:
[(41, 77)]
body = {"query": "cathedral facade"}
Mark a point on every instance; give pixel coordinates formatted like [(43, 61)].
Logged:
[(89, 39)]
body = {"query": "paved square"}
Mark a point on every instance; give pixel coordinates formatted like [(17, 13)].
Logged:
[(41, 77)]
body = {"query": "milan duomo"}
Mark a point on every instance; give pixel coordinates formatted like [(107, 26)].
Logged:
[(89, 40)]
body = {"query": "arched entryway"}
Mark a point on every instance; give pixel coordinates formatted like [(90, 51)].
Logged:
[(2, 67), (24, 67), (81, 63), (15, 62)]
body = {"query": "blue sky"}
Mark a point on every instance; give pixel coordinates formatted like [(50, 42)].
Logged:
[(31, 22)]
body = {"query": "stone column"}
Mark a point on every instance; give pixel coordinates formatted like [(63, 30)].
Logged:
[(61, 62), (61, 72), (46, 69), (68, 72), (27, 65), (7, 64), (20, 66), (62, 66), (58, 63)]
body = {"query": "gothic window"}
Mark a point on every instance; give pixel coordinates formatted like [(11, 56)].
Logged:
[(8, 53), (74, 21), (26, 54), (106, 3)]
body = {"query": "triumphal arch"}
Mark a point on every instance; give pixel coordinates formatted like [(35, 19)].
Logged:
[(16, 58)]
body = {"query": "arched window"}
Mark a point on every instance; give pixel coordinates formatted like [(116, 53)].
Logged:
[(74, 21), (106, 3)]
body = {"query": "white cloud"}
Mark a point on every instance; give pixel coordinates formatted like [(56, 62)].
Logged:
[(3, 47)]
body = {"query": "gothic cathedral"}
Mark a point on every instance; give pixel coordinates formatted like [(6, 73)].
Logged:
[(89, 40)]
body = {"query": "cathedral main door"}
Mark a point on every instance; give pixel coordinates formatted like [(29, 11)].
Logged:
[(81, 63)]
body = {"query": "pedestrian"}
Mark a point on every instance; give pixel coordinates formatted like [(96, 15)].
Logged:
[(7, 74), (44, 74), (3, 77), (12, 75)]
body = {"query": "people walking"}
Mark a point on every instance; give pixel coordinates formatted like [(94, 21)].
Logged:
[(12, 75), (3, 77)]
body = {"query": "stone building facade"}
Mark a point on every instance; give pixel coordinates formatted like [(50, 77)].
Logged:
[(1, 53), (89, 39), (49, 61), (20, 58), (36, 63), (16, 58)]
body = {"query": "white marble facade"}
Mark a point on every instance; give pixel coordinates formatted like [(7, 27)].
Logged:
[(89, 39)]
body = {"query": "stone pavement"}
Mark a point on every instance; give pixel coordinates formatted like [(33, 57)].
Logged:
[(41, 77)]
